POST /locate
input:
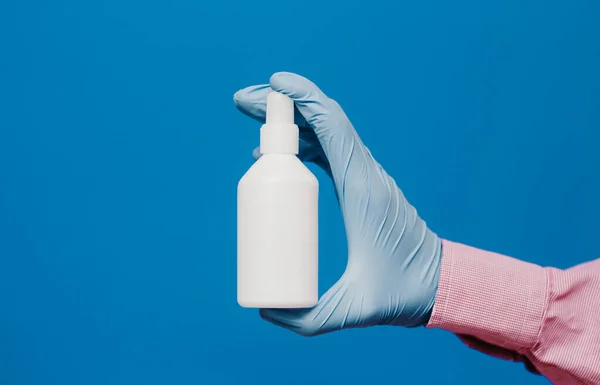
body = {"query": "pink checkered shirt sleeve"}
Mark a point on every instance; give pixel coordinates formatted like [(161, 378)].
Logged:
[(547, 318)]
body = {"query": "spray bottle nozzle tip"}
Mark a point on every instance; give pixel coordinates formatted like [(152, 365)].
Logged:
[(280, 108)]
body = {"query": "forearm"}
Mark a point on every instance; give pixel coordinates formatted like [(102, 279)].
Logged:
[(522, 312)]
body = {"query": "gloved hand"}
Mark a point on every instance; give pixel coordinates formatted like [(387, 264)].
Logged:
[(393, 258)]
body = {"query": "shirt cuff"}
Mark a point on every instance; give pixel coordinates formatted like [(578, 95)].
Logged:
[(497, 299)]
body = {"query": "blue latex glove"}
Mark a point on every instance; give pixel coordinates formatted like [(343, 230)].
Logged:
[(393, 258)]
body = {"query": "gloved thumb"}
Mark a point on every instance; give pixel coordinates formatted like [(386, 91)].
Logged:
[(333, 312)]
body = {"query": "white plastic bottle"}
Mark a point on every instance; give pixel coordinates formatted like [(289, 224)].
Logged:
[(278, 219)]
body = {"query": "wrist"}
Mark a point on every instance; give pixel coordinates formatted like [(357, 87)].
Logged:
[(436, 265), (495, 298)]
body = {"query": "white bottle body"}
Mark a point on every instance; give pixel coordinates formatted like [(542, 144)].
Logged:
[(278, 234)]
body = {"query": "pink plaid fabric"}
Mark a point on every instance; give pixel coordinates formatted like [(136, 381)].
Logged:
[(549, 319)]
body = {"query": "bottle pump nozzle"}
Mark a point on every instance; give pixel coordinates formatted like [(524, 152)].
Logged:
[(279, 134), (280, 108)]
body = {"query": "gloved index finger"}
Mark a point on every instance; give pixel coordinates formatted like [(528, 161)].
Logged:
[(252, 101), (329, 122)]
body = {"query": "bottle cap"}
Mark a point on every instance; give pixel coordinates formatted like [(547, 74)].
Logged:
[(279, 134)]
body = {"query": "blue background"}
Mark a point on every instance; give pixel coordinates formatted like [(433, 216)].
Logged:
[(120, 151)]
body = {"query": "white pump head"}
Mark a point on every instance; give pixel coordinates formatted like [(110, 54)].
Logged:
[(279, 134), (280, 108)]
